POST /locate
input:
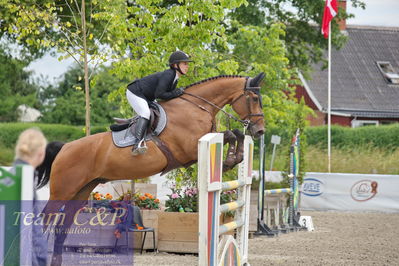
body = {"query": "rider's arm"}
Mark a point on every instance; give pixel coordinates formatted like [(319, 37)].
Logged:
[(166, 88)]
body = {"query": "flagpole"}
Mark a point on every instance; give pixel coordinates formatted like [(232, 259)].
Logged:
[(329, 97)]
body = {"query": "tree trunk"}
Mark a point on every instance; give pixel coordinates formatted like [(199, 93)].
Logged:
[(86, 69)]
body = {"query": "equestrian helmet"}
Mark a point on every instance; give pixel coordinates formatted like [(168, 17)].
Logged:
[(179, 56)]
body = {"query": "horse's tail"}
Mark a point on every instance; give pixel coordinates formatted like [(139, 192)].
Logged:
[(44, 170)]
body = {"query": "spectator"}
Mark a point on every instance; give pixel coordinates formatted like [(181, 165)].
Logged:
[(30, 150)]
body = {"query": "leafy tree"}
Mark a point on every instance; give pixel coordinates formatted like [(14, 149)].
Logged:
[(67, 26), (16, 86), (66, 105), (157, 28), (140, 36)]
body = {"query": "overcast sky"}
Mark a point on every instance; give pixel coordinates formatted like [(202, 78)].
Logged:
[(377, 13)]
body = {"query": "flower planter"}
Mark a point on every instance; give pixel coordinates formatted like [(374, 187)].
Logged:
[(178, 232)]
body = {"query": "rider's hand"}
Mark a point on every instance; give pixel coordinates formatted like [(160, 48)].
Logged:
[(178, 92)]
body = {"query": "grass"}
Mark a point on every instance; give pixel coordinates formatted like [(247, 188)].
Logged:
[(6, 155), (364, 160)]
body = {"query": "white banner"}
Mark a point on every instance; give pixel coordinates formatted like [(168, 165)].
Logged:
[(350, 192)]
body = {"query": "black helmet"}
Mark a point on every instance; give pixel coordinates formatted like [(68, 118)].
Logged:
[(178, 56)]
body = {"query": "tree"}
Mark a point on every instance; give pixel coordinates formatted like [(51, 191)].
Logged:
[(16, 87), (67, 26), (63, 105), (141, 35), (157, 28)]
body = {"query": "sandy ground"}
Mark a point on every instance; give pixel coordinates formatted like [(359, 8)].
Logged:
[(339, 239)]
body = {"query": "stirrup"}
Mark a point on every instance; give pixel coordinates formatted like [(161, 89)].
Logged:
[(140, 149)]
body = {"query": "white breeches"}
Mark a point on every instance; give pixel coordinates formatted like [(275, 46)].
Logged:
[(139, 105)]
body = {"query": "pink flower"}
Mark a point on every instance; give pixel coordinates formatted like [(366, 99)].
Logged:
[(175, 196)]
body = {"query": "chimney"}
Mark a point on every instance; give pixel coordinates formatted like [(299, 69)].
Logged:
[(342, 22)]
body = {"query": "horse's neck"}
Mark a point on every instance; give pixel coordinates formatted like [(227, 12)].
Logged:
[(219, 92)]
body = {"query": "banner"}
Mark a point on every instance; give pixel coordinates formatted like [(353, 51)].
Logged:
[(16, 195), (350, 192)]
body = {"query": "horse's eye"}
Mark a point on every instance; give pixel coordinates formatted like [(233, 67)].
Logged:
[(255, 99)]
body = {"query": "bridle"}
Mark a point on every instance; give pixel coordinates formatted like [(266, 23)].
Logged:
[(245, 121), (255, 90)]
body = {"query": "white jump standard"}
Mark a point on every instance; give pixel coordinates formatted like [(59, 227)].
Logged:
[(228, 249)]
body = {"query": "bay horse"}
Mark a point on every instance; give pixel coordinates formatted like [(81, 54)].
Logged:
[(77, 167)]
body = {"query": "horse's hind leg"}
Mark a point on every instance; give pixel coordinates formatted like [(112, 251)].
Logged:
[(70, 210)]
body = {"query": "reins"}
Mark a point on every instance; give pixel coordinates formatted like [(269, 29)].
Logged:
[(214, 105), (246, 122)]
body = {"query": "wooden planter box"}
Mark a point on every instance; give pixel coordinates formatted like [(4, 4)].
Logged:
[(178, 232)]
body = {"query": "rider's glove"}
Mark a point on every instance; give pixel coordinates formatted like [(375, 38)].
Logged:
[(178, 92)]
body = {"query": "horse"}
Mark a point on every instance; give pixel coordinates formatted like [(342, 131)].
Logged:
[(76, 168)]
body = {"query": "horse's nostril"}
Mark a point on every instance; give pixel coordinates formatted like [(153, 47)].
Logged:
[(258, 133)]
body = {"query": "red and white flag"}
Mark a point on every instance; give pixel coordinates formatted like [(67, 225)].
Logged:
[(330, 11)]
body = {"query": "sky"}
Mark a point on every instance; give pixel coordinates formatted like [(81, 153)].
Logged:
[(377, 13)]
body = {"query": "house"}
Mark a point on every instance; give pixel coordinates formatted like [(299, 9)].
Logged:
[(364, 80)]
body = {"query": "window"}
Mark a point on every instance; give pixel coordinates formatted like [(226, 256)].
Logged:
[(390, 75), (362, 123)]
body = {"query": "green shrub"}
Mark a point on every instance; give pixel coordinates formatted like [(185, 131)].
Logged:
[(9, 133)]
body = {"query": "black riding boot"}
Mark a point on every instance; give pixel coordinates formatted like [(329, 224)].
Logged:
[(139, 146)]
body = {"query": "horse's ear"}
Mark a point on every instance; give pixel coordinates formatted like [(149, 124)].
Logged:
[(256, 80)]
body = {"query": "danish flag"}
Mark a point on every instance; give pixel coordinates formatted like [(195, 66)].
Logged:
[(330, 11)]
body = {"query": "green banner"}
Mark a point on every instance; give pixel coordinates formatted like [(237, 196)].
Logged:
[(10, 204)]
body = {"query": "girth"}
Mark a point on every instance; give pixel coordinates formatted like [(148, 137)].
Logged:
[(172, 162)]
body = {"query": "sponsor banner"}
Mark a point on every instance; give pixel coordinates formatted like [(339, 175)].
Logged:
[(16, 196), (350, 192)]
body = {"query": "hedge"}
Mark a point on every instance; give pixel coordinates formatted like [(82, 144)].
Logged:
[(9, 132), (386, 137)]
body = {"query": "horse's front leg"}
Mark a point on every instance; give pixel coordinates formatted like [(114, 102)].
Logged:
[(229, 138), (240, 146)]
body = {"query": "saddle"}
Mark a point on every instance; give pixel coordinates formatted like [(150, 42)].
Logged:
[(158, 121), (122, 134)]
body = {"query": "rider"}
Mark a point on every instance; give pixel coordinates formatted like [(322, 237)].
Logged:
[(161, 85)]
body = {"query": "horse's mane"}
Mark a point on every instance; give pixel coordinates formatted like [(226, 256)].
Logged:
[(213, 78)]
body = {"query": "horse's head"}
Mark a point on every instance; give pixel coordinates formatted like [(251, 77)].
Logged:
[(248, 106)]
